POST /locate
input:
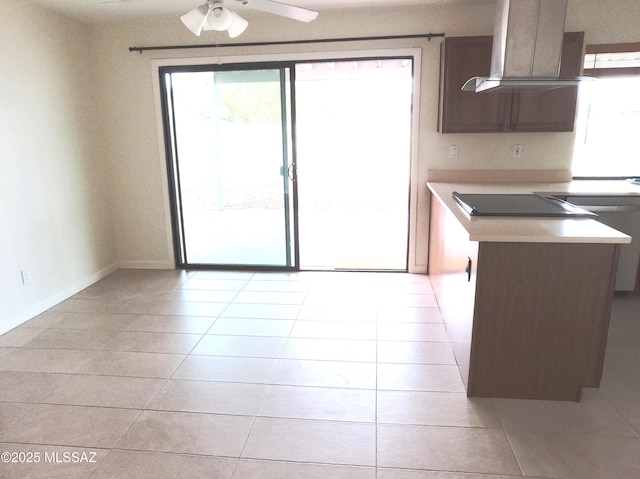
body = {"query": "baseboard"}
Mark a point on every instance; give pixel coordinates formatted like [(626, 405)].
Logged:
[(146, 265), (418, 269), (55, 298)]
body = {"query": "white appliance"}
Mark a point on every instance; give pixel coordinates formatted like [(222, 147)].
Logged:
[(623, 214)]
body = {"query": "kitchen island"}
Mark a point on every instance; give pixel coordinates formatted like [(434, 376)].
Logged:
[(526, 301)]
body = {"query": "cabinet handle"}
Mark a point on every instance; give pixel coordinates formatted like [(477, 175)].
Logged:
[(468, 268)]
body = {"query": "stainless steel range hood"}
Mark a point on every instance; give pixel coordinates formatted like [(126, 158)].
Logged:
[(527, 47)]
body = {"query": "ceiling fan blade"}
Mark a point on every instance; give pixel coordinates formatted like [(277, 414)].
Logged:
[(282, 9)]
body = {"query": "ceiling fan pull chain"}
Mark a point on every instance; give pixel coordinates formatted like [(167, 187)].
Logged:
[(218, 48)]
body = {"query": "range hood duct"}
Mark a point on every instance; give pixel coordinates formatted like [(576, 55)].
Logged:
[(527, 47)]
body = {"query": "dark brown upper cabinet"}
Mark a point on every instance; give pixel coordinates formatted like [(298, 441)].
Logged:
[(490, 112)]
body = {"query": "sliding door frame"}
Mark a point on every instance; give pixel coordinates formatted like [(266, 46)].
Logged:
[(277, 61), (287, 102)]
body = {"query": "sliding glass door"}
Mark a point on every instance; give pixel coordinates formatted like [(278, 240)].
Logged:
[(298, 165), (231, 172), (354, 153)]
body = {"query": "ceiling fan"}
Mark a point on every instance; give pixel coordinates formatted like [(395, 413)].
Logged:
[(213, 15)]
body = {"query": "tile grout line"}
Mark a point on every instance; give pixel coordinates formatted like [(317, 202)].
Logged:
[(266, 392), (144, 408)]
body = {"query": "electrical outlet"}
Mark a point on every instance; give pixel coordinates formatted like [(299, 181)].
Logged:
[(516, 151), (453, 152), (26, 279)]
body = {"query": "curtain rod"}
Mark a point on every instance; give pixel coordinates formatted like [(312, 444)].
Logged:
[(287, 42)]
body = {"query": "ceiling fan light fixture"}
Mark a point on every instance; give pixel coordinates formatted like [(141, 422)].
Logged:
[(238, 25), (213, 15), (219, 18), (196, 19)]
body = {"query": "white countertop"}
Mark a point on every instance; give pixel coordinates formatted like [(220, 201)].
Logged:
[(537, 230), (591, 188)]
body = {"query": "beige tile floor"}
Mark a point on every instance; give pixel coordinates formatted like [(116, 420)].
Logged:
[(169, 374)]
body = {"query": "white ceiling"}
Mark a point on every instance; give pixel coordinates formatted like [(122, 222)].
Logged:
[(93, 11)]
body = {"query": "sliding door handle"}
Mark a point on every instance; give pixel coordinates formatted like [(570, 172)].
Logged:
[(291, 172)]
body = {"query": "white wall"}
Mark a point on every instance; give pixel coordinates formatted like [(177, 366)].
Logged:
[(54, 202)]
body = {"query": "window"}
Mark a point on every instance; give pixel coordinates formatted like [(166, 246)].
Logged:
[(608, 122)]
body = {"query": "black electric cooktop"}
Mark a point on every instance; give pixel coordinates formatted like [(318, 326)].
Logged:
[(518, 205)]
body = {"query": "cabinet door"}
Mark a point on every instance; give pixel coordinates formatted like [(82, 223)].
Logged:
[(466, 112), (552, 110)]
